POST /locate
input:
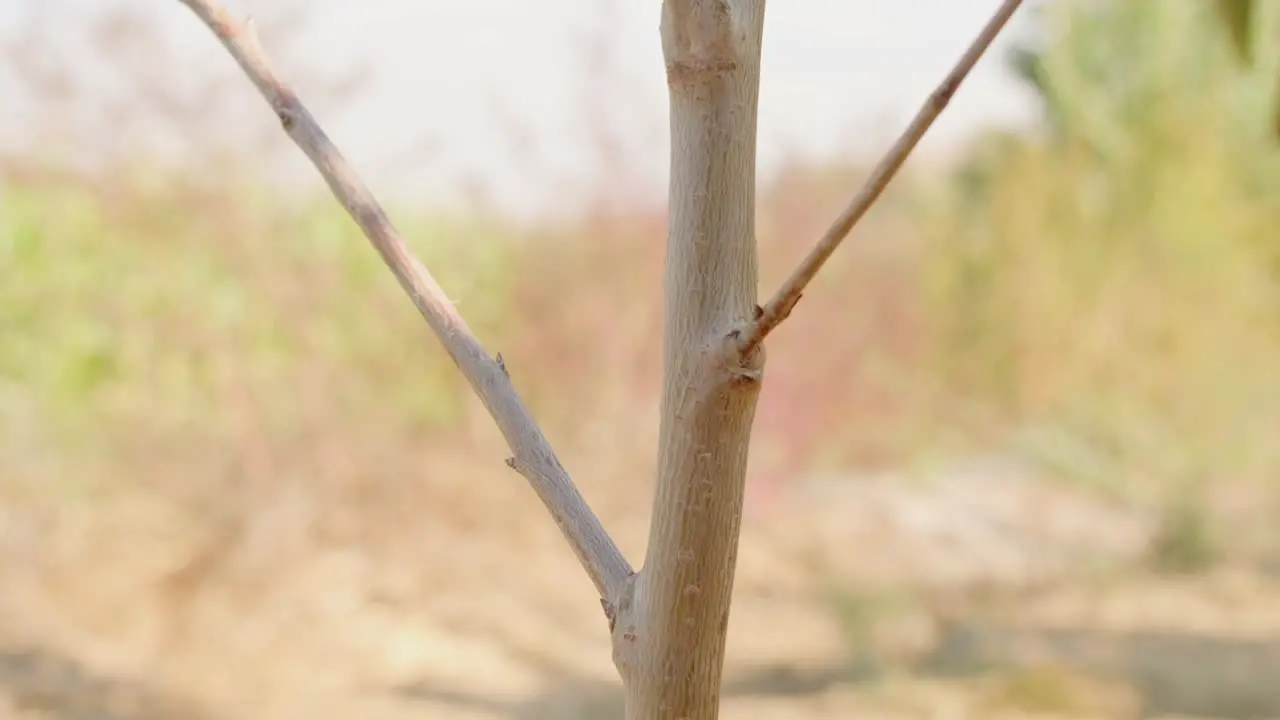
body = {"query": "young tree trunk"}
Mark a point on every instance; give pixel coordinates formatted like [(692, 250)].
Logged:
[(670, 620), (669, 635)]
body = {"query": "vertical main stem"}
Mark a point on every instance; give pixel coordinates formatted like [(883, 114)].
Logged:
[(670, 641)]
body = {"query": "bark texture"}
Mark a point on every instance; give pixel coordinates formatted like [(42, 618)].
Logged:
[(669, 632)]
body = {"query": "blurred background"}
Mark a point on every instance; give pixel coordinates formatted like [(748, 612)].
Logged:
[(1018, 450)]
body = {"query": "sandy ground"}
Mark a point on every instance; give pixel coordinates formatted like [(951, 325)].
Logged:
[(977, 593)]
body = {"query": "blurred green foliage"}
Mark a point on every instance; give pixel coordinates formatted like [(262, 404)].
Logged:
[(136, 312), (1108, 290), (1252, 26)]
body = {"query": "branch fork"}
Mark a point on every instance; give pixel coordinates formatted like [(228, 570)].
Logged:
[(784, 301), (669, 621)]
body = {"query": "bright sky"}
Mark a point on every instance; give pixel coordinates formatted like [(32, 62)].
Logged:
[(469, 76)]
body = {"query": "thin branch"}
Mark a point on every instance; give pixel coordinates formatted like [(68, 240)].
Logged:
[(532, 454), (789, 294)]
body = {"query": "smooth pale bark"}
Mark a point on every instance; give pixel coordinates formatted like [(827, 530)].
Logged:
[(669, 634)]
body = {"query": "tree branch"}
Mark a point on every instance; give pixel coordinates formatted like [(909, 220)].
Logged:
[(533, 456), (789, 294)]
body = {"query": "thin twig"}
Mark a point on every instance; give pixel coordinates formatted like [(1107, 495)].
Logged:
[(532, 454), (789, 294)]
